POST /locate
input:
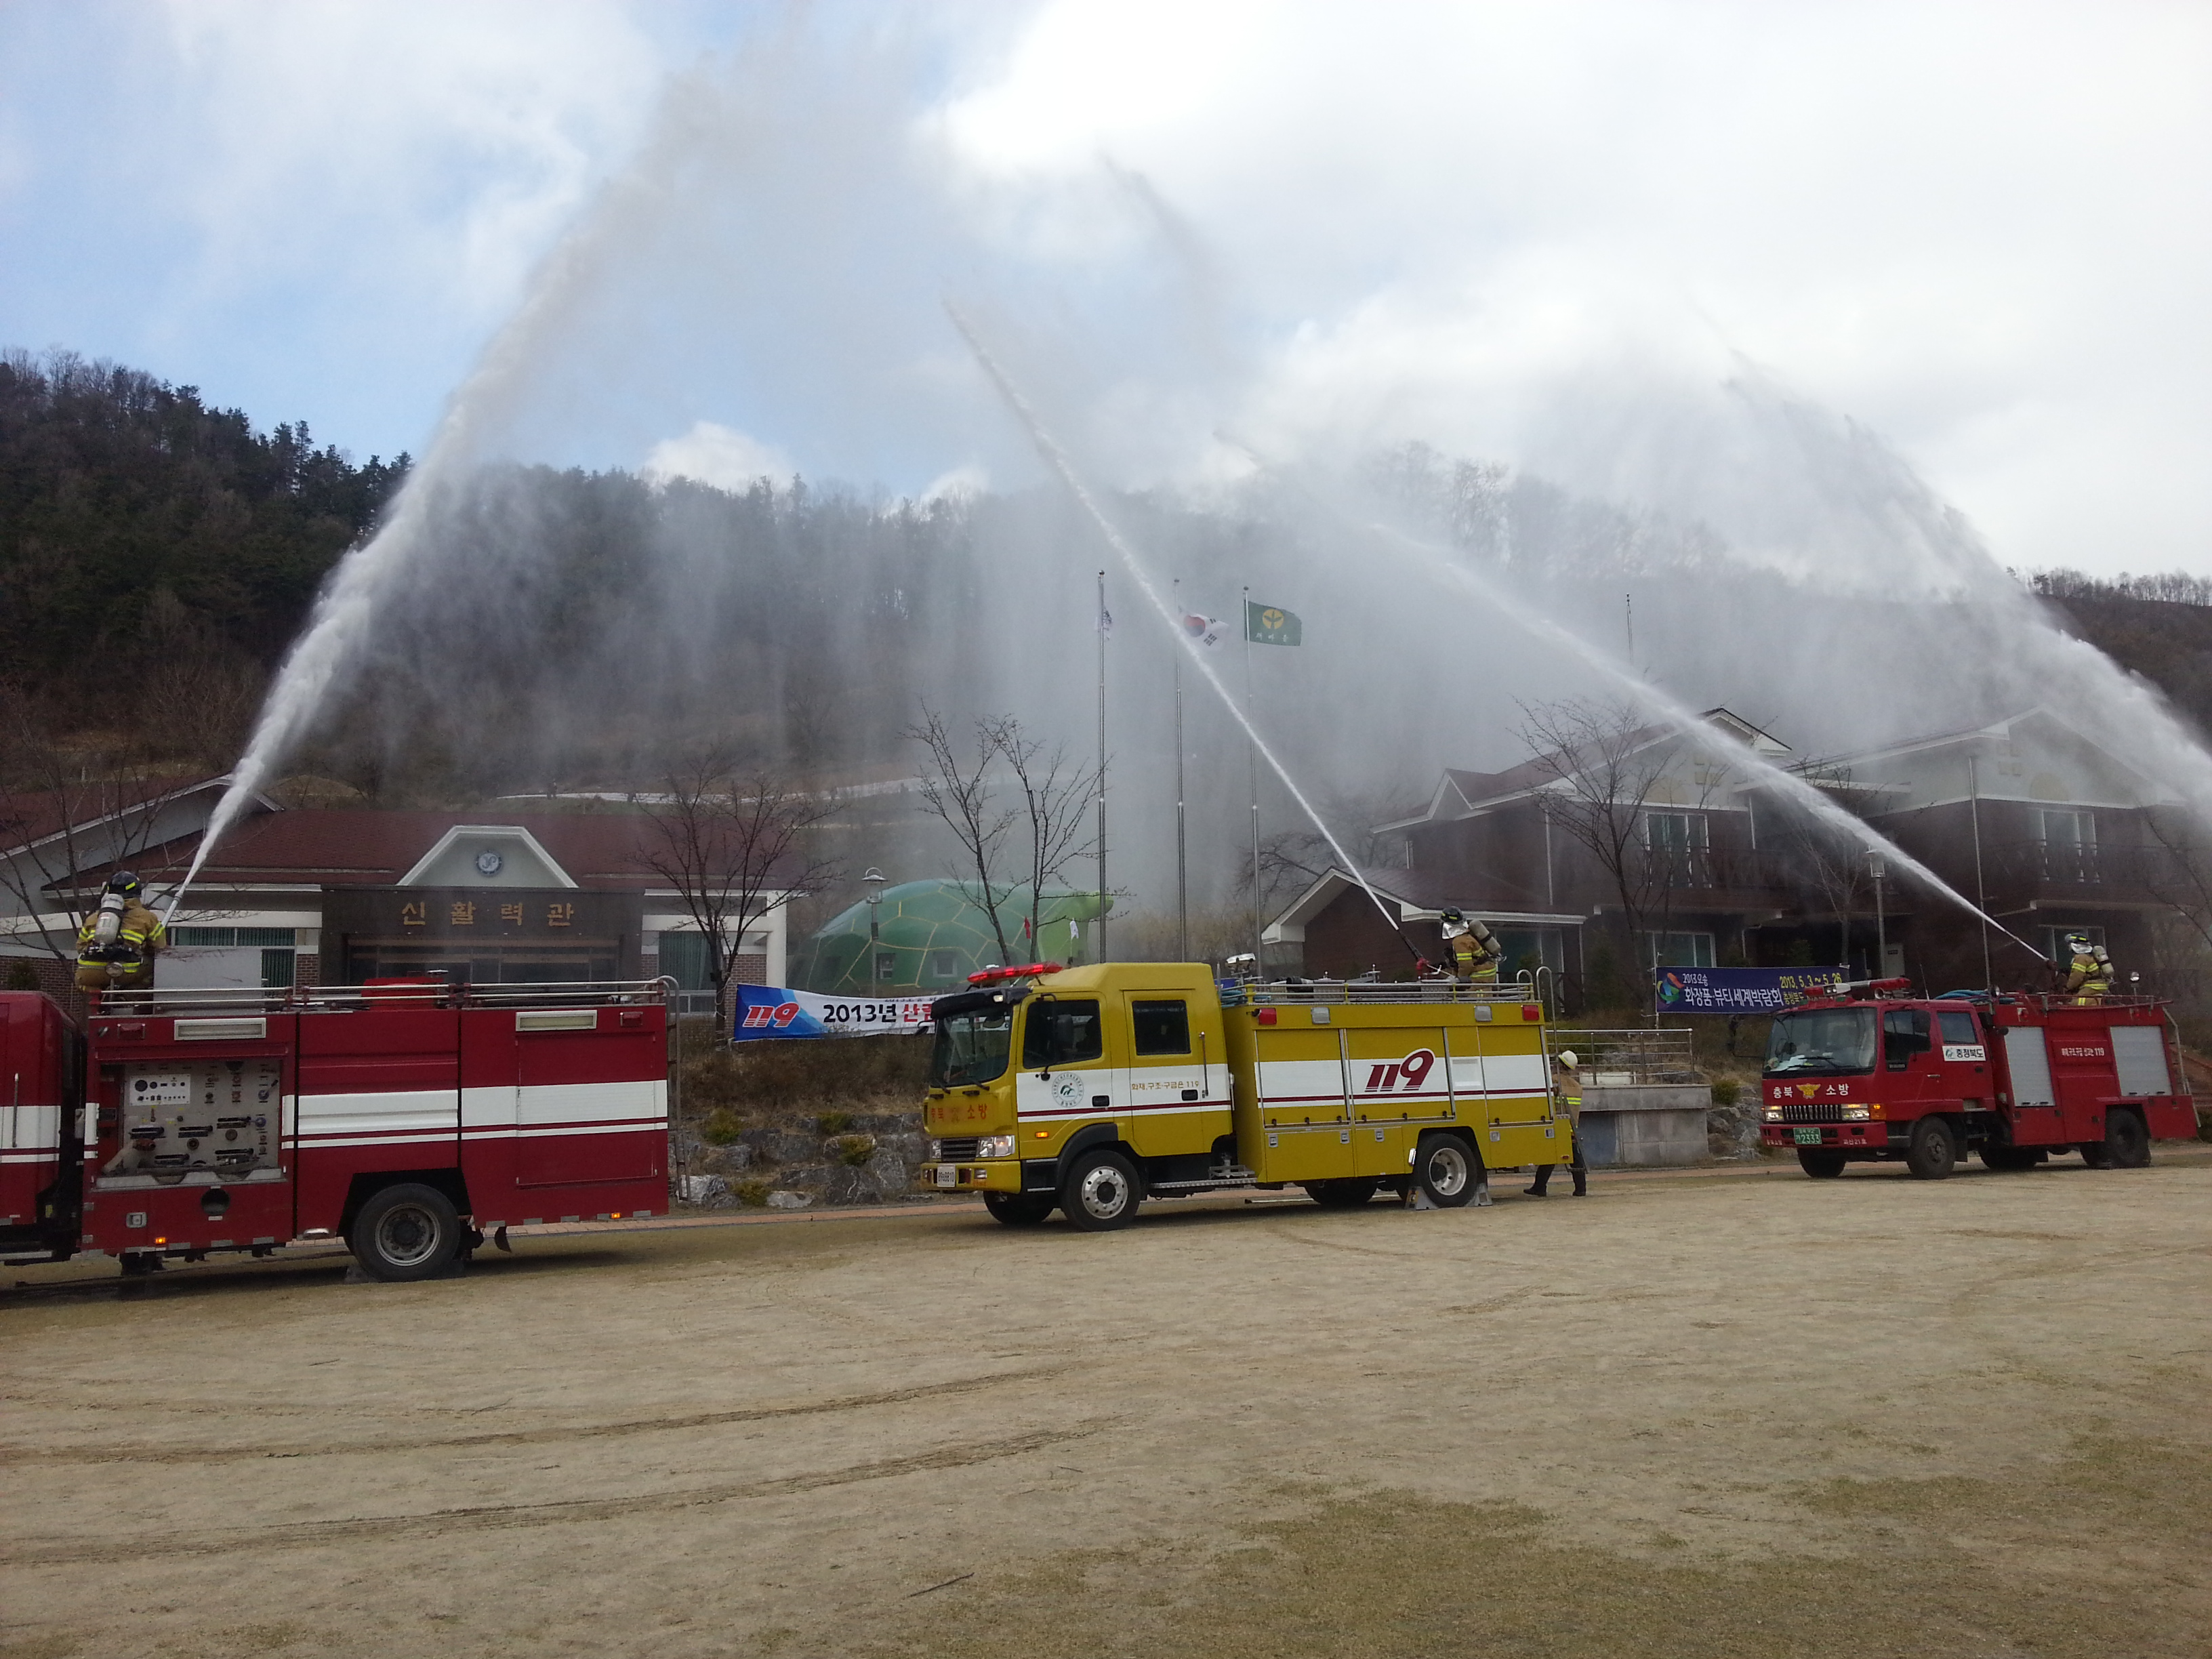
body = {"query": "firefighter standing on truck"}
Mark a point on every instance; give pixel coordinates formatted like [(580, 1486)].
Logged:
[(116, 946), (2089, 974), (1475, 951)]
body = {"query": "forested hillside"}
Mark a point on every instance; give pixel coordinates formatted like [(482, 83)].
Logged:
[(2158, 626), (155, 551)]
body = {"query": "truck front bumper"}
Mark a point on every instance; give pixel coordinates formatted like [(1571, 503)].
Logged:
[(1861, 1137), (991, 1175)]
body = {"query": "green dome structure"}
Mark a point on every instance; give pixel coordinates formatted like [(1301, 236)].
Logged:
[(933, 934)]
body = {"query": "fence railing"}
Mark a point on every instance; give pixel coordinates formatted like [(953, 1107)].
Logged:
[(1264, 993), (1624, 1059), (340, 999)]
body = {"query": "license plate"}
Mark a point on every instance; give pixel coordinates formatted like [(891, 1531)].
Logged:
[(1809, 1137), (947, 1174)]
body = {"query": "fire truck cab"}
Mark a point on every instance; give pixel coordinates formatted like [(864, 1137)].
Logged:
[(409, 1118), (2016, 1078)]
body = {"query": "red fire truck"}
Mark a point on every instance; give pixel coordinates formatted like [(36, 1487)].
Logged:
[(409, 1118), (2016, 1078)]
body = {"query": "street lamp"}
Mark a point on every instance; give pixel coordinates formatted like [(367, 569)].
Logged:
[(1879, 867), (875, 879)]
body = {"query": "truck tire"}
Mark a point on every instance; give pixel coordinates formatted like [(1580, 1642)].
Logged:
[(1933, 1151), (1345, 1195), (1018, 1209), (2127, 1142), (405, 1232), (1822, 1166), (1447, 1170), (2096, 1154), (1101, 1191), (2010, 1158)]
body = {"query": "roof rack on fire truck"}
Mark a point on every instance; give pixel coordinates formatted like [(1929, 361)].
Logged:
[(1261, 992), (426, 990)]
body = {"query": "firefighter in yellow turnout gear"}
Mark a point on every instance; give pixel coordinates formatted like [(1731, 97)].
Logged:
[(116, 947), (1475, 951), (2089, 974), (1567, 1088)]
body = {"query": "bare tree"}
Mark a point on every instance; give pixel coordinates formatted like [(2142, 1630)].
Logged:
[(1602, 766), (736, 846), (1055, 794), (1834, 867), (66, 808)]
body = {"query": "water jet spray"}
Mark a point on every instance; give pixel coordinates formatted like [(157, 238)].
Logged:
[(1058, 459)]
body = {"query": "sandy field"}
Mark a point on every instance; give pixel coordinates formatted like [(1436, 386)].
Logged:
[(1706, 1412)]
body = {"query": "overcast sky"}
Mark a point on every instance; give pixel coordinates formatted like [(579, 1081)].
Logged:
[(1980, 231)]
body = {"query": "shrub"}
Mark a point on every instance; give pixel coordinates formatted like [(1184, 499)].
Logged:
[(834, 1123), (21, 976), (853, 1150), (754, 1193), (1727, 1090), (722, 1128)]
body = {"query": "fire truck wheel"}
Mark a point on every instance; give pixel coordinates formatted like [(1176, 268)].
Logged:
[(2096, 1154), (1820, 1166), (1101, 1193), (405, 1232), (1345, 1195), (2126, 1141), (1933, 1151), (1018, 1209), (1446, 1170)]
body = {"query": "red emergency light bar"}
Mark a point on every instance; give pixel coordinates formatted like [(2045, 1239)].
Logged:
[(1027, 970)]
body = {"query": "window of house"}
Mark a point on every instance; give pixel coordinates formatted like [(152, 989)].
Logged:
[(265, 939), (683, 959), (1162, 1027), (1681, 949), (2068, 829), (944, 967), (1679, 832)]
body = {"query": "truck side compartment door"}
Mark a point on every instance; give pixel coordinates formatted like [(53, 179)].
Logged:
[(1962, 1064), (374, 1092), (590, 1101), (1304, 1104), (2035, 1120)]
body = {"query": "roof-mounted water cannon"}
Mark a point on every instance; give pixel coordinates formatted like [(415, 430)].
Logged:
[(1873, 987), (1027, 970)]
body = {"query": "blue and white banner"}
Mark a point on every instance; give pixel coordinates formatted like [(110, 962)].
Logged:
[(772, 1011), (1741, 990)]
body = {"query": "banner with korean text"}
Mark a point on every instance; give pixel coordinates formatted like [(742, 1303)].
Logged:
[(1741, 990), (773, 1010)]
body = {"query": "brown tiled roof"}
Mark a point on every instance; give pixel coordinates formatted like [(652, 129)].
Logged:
[(355, 846), (28, 816)]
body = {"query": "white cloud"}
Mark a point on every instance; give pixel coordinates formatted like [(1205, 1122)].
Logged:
[(718, 455), (958, 484)]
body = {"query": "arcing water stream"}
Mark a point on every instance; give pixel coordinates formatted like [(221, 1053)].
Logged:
[(1058, 459), (1692, 726)]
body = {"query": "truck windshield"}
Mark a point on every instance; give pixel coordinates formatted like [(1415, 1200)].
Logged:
[(971, 1048), (1826, 1041)]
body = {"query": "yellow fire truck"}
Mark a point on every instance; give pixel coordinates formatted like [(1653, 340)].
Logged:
[(1088, 1089)]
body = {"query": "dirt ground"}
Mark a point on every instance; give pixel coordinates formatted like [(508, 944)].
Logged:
[(1704, 1414)]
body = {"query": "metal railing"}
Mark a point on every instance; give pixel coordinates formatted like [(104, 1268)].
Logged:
[(1626, 1059), (1267, 993), (347, 999)]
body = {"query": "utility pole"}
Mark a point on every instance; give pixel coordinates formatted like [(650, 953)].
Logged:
[(1981, 893), (1104, 623), (1628, 610), (1183, 871), (875, 879), (1880, 924)]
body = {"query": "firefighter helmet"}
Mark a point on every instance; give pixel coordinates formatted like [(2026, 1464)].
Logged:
[(1452, 916), (1568, 1058), (125, 883), (2078, 944)]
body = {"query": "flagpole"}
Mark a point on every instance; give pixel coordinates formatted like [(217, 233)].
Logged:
[(1182, 889), (1252, 784), (1099, 945)]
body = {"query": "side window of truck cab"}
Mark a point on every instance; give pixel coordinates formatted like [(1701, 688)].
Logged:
[(1061, 1033), (1160, 1025), (1904, 1034), (1962, 1040)]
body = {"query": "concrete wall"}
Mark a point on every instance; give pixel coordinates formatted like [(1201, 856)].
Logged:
[(1645, 1125)]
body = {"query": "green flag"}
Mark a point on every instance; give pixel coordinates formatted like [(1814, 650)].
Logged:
[(1270, 624)]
